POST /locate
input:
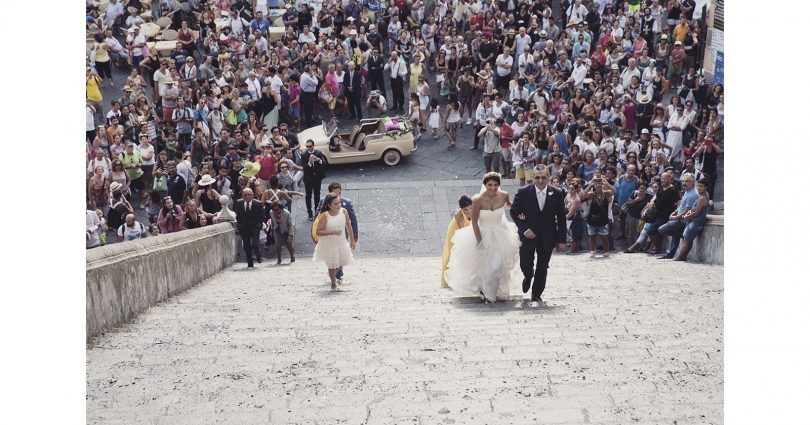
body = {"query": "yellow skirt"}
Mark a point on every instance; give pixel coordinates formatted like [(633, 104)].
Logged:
[(448, 245)]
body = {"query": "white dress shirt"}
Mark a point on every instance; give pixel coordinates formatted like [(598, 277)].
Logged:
[(541, 196), (397, 69), (254, 88)]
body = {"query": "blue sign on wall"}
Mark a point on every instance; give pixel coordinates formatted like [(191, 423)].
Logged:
[(718, 68)]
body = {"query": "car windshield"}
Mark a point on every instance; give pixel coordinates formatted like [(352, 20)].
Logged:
[(330, 127)]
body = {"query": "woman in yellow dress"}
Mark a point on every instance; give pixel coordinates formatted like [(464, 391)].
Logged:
[(461, 218), (417, 69)]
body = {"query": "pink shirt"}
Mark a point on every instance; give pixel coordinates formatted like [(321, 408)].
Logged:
[(295, 91), (332, 82)]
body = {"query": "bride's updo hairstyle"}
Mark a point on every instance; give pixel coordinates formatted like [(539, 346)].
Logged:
[(492, 175)]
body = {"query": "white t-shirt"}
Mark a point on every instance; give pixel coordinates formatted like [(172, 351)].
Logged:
[(381, 100), (504, 60), (519, 129), (131, 233), (160, 78), (105, 163), (522, 42), (497, 110), (238, 25), (577, 13), (276, 83), (144, 151), (591, 147), (303, 38)]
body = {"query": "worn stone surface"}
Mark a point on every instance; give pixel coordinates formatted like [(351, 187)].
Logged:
[(125, 279), (709, 246), (640, 341)]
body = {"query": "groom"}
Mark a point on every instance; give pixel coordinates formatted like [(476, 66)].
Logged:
[(544, 210)]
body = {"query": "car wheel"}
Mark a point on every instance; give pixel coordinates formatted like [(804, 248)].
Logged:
[(391, 157)]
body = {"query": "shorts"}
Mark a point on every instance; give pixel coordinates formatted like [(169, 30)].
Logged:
[(147, 171), (167, 113), (137, 184), (598, 230), (692, 230), (506, 154), (295, 112), (675, 71), (523, 173)]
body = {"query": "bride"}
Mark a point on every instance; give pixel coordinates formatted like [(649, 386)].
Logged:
[(485, 256)]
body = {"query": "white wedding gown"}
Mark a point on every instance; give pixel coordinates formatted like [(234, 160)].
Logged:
[(493, 267)]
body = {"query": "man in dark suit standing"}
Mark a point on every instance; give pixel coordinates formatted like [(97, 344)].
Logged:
[(352, 89), (335, 187), (249, 222), (543, 209), (314, 165), (376, 63)]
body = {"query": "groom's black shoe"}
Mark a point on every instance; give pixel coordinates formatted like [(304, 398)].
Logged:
[(527, 283)]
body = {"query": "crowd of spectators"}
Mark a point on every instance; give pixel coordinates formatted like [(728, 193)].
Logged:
[(609, 94)]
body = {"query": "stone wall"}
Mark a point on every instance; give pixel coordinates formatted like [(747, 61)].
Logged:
[(708, 247), (125, 279)]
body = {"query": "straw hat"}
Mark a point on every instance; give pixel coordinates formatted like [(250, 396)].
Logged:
[(645, 99), (206, 180), (115, 186), (250, 169)]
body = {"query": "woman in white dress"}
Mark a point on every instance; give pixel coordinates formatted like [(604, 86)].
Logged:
[(333, 249), (485, 258)]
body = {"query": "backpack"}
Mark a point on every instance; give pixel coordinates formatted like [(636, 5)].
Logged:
[(117, 215), (122, 230)]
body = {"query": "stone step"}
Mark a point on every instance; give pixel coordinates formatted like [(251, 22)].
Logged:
[(624, 339)]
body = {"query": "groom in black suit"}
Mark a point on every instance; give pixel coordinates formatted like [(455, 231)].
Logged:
[(249, 217), (544, 210)]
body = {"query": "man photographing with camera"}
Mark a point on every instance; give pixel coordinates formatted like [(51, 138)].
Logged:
[(376, 101), (492, 145)]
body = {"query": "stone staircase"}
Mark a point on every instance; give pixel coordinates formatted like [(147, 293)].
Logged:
[(624, 340)]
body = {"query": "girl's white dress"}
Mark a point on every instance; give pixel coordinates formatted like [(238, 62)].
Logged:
[(334, 250), (493, 267), (434, 119)]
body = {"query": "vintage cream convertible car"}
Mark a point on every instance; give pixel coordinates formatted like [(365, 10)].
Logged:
[(368, 141)]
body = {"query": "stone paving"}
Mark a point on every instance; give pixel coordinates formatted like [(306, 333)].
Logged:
[(625, 340)]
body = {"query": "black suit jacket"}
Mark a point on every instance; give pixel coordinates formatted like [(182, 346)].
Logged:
[(249, 222), (355, 83), (549, 225), (317, 171), (375, 67)]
